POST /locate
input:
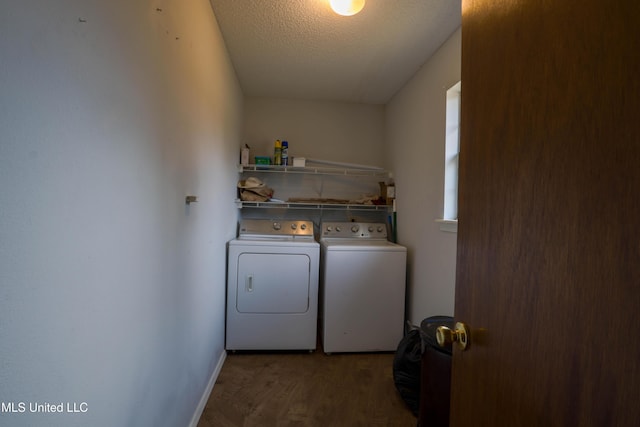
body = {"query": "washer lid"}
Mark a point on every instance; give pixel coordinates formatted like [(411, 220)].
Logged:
[(340, 244)]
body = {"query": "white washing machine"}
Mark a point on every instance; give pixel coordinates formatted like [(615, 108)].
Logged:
[(272, 286), (362, 288)]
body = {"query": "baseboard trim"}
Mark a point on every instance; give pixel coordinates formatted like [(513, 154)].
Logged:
[(207, 392)]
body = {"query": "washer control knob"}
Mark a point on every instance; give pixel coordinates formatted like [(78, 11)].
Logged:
[(355, 228), (329, 228), (371, 229), (303, 226), (294, 225), (338, 229), (380, 228), (276, 226)]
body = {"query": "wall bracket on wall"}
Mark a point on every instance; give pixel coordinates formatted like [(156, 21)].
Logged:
[(190, 199)]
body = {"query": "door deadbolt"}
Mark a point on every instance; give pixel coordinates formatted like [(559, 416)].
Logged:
[(460, 335)]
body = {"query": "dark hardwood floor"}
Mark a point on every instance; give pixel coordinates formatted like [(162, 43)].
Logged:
[(306, 389)]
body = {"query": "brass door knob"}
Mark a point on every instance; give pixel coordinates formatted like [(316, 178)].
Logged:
[(460, 335)]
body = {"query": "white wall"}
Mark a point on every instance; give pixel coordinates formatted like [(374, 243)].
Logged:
[(336, 131), (111, 288), (415, 143)]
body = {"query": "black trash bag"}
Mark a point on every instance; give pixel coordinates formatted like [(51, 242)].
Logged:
[(406, 368)]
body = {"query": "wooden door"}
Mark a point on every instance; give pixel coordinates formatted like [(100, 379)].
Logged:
[(548, 263)]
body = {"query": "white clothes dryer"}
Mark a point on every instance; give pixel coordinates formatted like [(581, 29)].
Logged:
[(362, 287), (272, 286)]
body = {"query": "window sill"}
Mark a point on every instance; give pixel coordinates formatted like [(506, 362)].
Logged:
[(448, 225)]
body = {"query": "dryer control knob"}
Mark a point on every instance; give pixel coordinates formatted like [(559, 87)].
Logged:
[(338, 229), (380, 228), (276, 226), (294, 226), (371, 229), (303, 226), (355, 228)]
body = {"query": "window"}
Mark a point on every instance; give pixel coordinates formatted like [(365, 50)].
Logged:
[(449, 221)]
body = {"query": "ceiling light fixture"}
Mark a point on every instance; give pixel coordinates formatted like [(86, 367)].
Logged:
[(346, 7)]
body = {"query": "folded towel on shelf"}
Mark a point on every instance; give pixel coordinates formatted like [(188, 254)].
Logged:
[(254, 190)]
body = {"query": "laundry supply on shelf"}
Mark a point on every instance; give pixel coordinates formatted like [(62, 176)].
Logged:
[(285, 153), (244, 155), (277, 153)]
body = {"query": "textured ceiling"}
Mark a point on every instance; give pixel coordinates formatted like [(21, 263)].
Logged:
[(301, 49)]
